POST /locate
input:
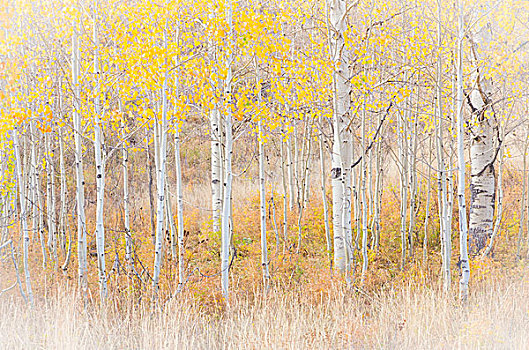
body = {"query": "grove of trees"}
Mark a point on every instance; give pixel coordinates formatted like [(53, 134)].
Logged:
[(138, 137)]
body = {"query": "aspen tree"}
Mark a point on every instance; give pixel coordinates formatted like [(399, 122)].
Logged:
[(216, 152), (35, 189), (63, 215), (463, 227), (100, 163), (161, 159), (50, 200), (228, 177), (262, 188), (126, 198), (179, 183), (523, 201), (77, 126), (341, 155), (23, 214), (482, 146), (324, 194), (444, 217)]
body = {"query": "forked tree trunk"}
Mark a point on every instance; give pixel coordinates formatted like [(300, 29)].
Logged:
[(161, 157)]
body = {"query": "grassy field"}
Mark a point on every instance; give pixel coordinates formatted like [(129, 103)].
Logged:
[(414, 317)]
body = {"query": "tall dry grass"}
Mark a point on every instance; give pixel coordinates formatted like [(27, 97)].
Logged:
[(497, 317)]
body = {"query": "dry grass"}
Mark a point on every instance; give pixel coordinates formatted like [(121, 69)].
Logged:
[(497, 317)]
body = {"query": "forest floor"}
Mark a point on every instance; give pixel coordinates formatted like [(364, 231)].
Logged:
[(307, 306)]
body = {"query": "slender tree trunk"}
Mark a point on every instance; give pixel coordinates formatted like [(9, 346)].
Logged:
[(100, 166), (76, 116), (160, 175), (262, 197), (324, 196), (216, 169), (50, 201), (179, 207), (523, 201), (341, 157), (463, 226), (126, 200), (23, 214), (226, 209)]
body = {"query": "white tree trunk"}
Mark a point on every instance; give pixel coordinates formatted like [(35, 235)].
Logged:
[(160, 176), (262, 197), (444, 216), (482, 149), (179, 207), (341, 158), (324, 195), (100, 167), (216, 169), (126, 199), (226, 209), (463, 226), (23, 214), (37, 208), (50, 201), (76, 116)]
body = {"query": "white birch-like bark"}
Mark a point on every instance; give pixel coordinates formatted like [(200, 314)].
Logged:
[(482, 147), (463, 226), (23, 214), (226, 208), (35, 176), (428, 200), (444, 217), (262, 189), (160, 176), (50, 201), (363, 189), (63, 218), (324, 195), (523, 201), (216, 169), (499, 210), (413, 181), (179, 206), (378, 194), (262, 198), (76, 116), (403, 147), (100, 165), (216, 154), (285, 193), (341, 157), (290, 170), (126, 197)]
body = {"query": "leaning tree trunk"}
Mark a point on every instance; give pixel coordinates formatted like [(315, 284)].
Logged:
[(483, 149)]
